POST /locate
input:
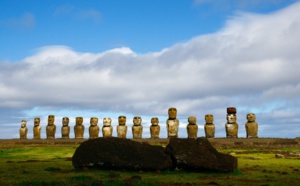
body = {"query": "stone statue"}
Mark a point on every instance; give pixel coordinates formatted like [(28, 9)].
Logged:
[(107, 129), (23, 130), (65, 129), (51, 128), (231, 125), (94, 129), (154, 128), (79, 128), (172, 123), (37, 128), (192, 127), (209, 126), (251, 126), (137, 128), (122, 128)]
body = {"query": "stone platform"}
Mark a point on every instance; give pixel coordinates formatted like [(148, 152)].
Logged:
[(216, 142)]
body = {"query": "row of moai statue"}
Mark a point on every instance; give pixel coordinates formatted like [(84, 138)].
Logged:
[(107, 129), (172, 123), (231, 126)]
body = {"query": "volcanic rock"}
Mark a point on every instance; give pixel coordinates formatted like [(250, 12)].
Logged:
[(199, 155), (120, 153)]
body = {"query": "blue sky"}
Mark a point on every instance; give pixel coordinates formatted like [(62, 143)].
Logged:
[(110, 58), (95, 26)]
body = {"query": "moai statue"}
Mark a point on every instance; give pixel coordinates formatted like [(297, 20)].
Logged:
[(251, 126), (231, 125), (154, 128), (65, 129), (209, 126), (94, 129), (51, 128), (192, 127), (37, 128), (23, 130), (137, 128), (122, 128), (107, 129), (79, 128), (172, 123)]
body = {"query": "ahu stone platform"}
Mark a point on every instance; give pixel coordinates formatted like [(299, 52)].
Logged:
[(216, 142)]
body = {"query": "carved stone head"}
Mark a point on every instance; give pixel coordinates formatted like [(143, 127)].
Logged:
[(37, 121), (79, 120), (192, 120), (23, 123), (231, 118), (94, 121), (106, 122), (137, 120), (251, 117), (231, 115), (209, 118), (51, 119), (65, 121), (172, 112), (122, 120), (154, 121)]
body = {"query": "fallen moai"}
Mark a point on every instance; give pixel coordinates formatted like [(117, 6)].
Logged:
[(120, 153), (124, 154), (199, 155)]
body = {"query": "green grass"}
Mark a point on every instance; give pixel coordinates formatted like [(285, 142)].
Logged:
[(52, 165)]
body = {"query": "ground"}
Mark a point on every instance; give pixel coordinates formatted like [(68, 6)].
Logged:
[(262, 161)]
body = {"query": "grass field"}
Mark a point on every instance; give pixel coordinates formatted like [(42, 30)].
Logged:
[(51, 165)]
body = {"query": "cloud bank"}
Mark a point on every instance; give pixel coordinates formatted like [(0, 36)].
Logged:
[(252, 64)]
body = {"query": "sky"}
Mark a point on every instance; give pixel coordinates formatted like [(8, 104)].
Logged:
[(139, 58)]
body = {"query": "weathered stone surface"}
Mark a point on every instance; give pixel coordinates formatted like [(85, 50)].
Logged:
[(172, 123), (199, 155), (120, 153), (231, 126), (251, 126)]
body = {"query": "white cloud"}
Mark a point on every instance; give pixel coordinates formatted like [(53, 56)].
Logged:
[(90, 14), (26, 21), (81, 14), (251, 64)]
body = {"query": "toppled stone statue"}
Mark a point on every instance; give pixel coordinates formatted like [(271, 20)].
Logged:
[(119, 154), (192, 127), (65, 129), (51, 127), (137, 128), (94, 129), (23, 130), (251, 126), (79, 128), (124, 154), (172, 123), (37, 128), (154, 128), (107, 129), (199, 155), (231, 125), (209, 127), (122, 128)]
